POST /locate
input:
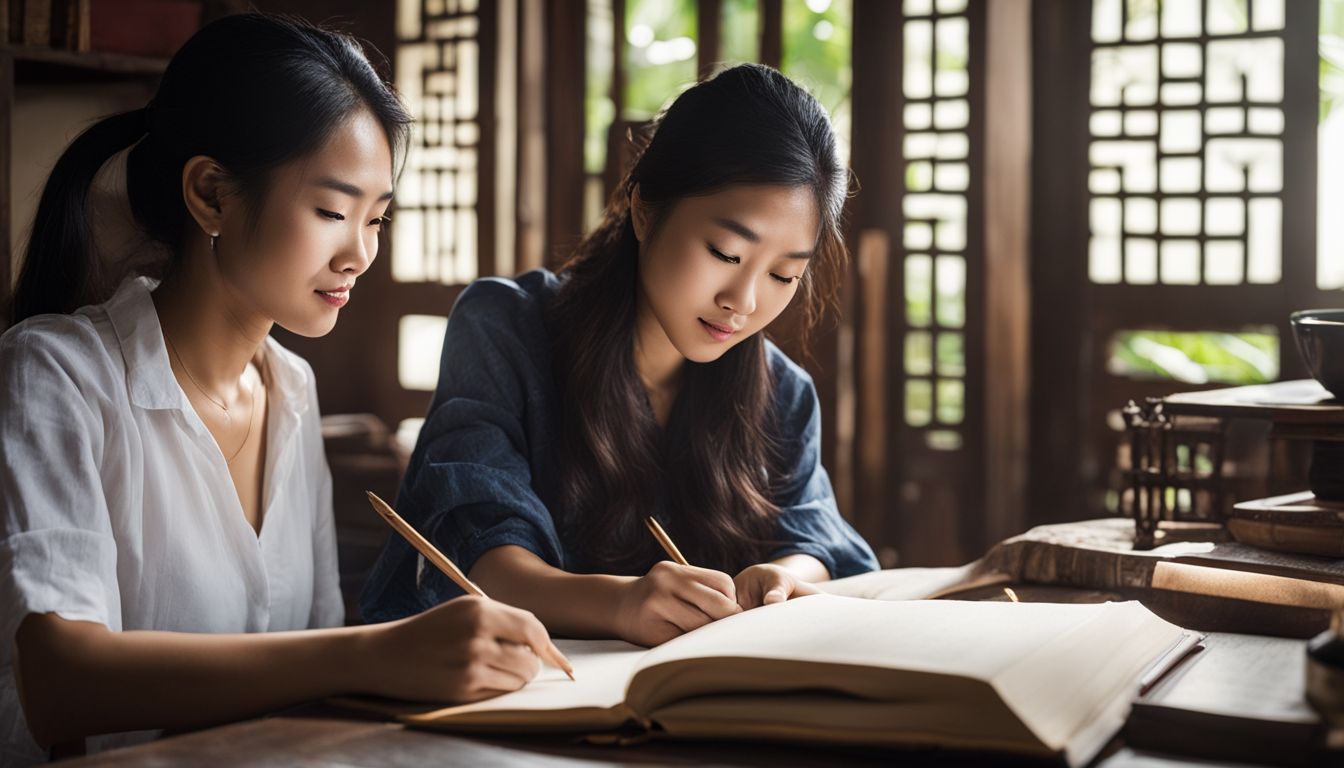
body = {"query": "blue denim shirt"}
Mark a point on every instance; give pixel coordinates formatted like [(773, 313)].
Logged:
[(478, 475)]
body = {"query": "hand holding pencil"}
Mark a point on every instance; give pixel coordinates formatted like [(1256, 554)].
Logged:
[(756, 585), (672, 598), (539, 643)]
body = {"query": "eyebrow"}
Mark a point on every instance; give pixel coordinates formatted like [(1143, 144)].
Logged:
[(748, 234), (348, 189)]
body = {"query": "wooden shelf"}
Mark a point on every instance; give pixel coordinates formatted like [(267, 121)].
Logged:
[(39, 64)]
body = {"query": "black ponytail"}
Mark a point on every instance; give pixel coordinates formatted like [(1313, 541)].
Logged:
[(60, 269), (251, 91)]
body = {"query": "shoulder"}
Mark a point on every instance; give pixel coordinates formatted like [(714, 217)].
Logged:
[(72, 347), (793, 386), (505, 297), (505, 307)]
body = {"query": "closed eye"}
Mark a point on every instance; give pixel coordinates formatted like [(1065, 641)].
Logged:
[(721, 256), (782, 279)]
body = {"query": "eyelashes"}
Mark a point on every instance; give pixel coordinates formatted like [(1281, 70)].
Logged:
[(380, 222), (721, 256)]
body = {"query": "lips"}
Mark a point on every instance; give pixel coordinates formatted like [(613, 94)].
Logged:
[(716, 331), (720, 327), (336, 297)]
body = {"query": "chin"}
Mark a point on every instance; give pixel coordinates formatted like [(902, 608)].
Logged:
[(309, 327), (702, 353)]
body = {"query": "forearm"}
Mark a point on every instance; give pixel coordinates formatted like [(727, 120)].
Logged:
[(803, 567), (572, 605), (80, 678)]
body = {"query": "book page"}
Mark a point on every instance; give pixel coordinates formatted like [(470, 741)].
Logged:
[(964, 638), (602, 668)]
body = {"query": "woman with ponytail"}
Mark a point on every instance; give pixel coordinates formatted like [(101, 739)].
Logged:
[(167, 553), (638, 382)]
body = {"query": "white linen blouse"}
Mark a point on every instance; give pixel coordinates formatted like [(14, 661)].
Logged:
[(116, 504)]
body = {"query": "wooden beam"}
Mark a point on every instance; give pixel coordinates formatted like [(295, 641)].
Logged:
[(1060, 380), (7, 265), (708, 39), (873, 446), (532, 166), (1007, 265), (565, 89), (772, 32), (876, 307)]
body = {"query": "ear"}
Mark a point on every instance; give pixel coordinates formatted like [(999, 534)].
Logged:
[(639, 215), (203, 191)]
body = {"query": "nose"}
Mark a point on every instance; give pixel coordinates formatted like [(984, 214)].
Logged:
[(359, 252), (739, 297)]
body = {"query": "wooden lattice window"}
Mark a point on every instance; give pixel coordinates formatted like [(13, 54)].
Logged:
[(1187, 143), (935, 201), (438, 60)]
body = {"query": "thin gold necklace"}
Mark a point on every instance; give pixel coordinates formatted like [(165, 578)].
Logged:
[(228, 419)]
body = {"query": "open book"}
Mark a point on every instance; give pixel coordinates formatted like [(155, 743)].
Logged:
[(1032, 678)]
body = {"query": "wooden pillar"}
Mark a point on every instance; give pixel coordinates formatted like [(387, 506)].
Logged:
[(532, 165), (772, 32), (6, 149), (565, 79), (1007, 265), (708, 41)]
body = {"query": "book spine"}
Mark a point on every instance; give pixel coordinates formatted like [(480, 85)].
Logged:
[(37, 22), (15, 36), (70, 24)]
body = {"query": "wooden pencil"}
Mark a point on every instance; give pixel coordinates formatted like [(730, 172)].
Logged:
[(431, 553), (665, 540)]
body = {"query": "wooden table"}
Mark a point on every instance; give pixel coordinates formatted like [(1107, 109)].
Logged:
[(1084, 562), (320, 736), (329, 740)]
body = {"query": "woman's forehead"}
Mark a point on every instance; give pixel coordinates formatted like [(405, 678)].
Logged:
[(786, 217), (357, 154)]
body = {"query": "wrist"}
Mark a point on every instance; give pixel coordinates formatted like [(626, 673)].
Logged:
[(355, 651), (619, 595)]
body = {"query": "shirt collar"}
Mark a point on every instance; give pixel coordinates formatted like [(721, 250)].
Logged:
[(149, 376)]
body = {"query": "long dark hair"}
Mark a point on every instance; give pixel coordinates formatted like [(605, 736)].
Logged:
[(252, 91), (716, 464)]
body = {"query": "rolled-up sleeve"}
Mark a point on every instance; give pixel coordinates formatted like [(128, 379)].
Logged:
[(809, 521), (57, 551), (468, 488)]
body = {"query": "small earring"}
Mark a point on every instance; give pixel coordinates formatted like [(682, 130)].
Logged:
[(213, 238)]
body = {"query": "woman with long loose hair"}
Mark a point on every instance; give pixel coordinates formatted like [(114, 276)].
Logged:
[(638, 382), (167, 552)]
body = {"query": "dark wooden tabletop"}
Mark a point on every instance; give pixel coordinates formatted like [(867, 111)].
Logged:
[(326, 739), (322, 736)]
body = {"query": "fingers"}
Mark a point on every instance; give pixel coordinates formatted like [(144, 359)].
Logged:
[(766, 584), (519, 660), (713, 592), (683, 615), (712, 602), (483, 681), (519, 627), (748, 593)]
